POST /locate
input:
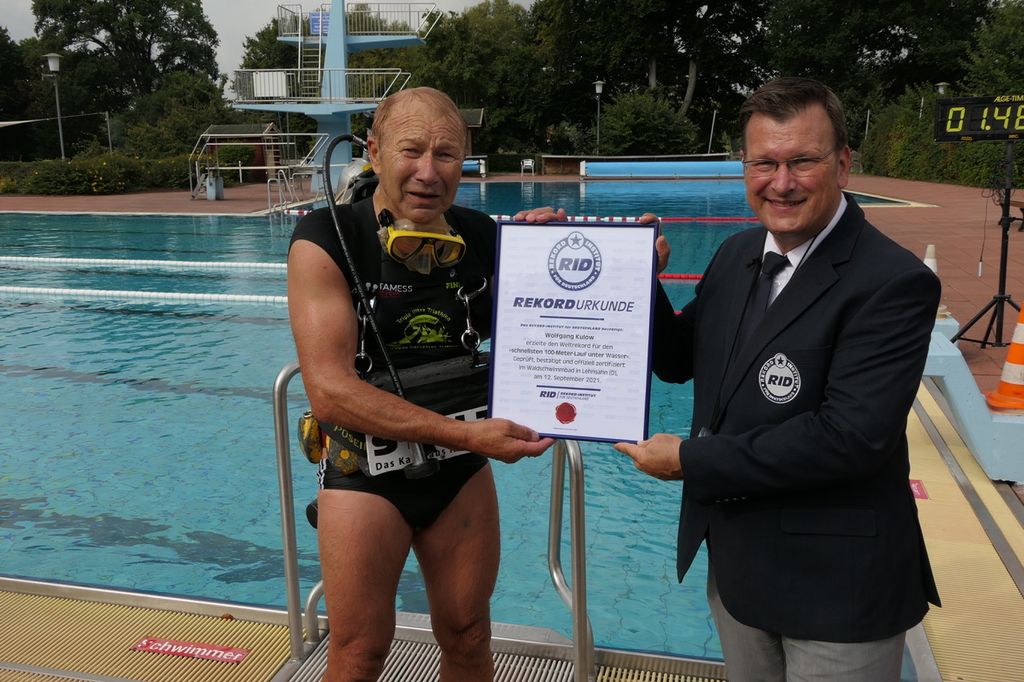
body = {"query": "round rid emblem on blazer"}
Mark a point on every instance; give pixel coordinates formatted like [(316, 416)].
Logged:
[(779, 379)]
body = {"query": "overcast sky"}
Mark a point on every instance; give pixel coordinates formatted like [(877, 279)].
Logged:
[(234, 20)]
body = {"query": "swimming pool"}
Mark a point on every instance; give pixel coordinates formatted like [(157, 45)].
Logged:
[(689, 198), (139, 452)]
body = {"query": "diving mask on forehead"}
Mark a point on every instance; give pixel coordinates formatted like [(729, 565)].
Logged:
[(418, 250)]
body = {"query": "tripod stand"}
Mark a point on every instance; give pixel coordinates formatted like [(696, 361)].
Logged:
[(1001, 297)]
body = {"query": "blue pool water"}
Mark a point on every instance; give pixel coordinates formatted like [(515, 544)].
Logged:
[(710, 198), (139, 451), (667, 198)]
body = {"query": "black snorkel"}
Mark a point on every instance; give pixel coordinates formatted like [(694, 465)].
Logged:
[(421, 466)]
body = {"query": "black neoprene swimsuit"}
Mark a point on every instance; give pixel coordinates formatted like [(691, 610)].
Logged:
[(421, 320)]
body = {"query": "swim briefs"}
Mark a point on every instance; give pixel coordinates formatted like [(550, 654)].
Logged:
[(419, 500)]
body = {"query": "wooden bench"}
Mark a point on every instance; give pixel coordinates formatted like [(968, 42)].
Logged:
[(1019, 203)]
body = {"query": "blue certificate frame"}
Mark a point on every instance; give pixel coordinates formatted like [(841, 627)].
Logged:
[(571, 335)]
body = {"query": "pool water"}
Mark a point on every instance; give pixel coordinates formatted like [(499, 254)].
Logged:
[(139, 452), (710, 198)]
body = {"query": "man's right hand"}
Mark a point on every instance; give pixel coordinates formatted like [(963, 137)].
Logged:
[(505, 440), (544, 214)]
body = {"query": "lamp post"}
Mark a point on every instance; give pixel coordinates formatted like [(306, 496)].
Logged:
[(53, 61), (598, 87)]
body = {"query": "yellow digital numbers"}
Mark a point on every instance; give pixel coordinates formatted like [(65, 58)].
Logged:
[(970, 119), (955, 119)]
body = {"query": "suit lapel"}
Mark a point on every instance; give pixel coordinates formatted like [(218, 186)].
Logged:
[(736, 299), (810, 281)]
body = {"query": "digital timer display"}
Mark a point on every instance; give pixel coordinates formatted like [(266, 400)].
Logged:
[(977, 119)]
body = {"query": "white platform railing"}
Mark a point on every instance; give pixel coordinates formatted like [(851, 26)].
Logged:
[(392, 19), (363, 19), (312, 86)]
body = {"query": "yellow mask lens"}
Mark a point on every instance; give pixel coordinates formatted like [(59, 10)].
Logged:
[(448, 253), (405, 247), (446, 249)]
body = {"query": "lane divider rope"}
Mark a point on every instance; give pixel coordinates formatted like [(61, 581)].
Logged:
[(135, 296), (141, 264)]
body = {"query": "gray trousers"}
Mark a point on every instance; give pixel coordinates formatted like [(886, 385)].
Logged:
[(754, 655)]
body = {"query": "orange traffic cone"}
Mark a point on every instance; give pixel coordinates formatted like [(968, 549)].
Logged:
[(1009, 395)]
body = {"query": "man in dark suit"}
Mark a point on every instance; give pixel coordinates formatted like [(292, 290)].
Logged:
[(796, 468)]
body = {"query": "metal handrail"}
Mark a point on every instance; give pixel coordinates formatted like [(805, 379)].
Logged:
[(299, 649), (394, 19), (281, 149), (289, 20), (317, 86), (576, 597)]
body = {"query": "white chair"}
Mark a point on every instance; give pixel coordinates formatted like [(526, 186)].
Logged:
[(526, 165)]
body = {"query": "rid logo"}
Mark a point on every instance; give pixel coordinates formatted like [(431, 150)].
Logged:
[(779, 379), (577, 264), (547, 394), (574, 263)]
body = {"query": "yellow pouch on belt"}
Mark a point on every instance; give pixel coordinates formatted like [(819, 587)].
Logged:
[(316, 444), (310, 438)]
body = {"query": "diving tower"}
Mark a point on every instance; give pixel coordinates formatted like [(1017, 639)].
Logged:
[(321, 85)]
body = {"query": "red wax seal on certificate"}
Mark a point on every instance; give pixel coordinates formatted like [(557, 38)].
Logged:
[(565, 413)]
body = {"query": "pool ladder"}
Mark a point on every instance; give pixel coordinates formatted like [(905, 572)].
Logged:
[(307, 621)]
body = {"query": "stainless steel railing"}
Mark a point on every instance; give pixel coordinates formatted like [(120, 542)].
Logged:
[(388, 18), (299, 648), (317, 86), (575, 597), (394, 19)]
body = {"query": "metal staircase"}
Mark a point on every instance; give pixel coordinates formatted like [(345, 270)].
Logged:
[(311, 53)]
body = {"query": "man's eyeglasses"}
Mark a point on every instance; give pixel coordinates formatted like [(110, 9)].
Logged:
[(801, 166)]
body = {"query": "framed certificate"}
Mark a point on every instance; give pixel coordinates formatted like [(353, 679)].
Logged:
[(571, 343)]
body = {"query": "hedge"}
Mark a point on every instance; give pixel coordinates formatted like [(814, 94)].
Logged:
[(901, 144), (105, 174)]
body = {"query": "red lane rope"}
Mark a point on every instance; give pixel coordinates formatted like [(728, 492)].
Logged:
[(711, 219), (679, 275)]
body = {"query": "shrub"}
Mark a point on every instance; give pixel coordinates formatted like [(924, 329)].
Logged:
[(901, 144), (102, 174)]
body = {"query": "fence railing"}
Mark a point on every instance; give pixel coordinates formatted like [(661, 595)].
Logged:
[(362, 18), (292, 22), (374, 18), (317, 86)]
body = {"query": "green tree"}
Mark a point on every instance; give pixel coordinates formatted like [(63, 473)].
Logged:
[(645, 123), (902, 144), (132, 45), (997, 64), (15, 141), (170, 120), (700, 55), (265, 51), (484, 57), (869, 53), (12, 74)]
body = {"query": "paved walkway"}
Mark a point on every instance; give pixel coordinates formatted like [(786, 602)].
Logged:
[(961, 222)]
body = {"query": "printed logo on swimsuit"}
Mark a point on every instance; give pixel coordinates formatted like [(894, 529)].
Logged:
[(779, 379), (575, 262)]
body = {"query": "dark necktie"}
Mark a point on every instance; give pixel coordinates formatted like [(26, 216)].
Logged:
[(757, 304)]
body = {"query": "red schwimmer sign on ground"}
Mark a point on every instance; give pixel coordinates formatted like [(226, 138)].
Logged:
[(173, 647), (918, 489)]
